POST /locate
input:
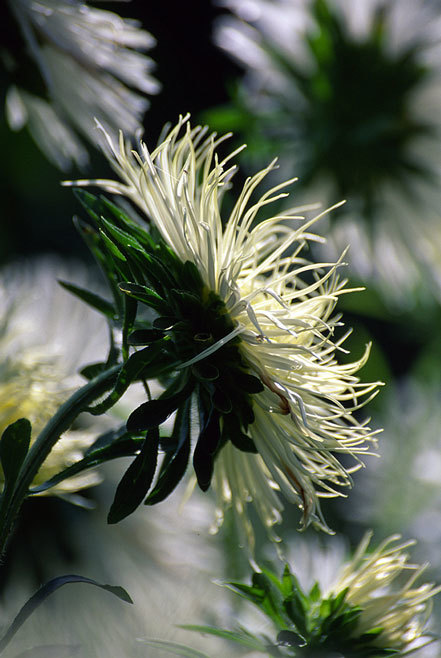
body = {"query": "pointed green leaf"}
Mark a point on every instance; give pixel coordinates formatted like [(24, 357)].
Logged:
[(46, 590), (174, 466), (144, 294), (130, 371), (136, 481), (91, 298), (14, 446)]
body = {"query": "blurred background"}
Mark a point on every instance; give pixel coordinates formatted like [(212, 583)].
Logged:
[(347, 93)]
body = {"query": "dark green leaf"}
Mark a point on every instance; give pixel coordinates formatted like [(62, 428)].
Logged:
[(130, 371), (248, 383), (111, 246), (136, 481), (126, 446), (143, 294), (46, 590), (154, 412), (93, 370), (145, 336), (91, 298), (14, 446), (175, 464), (205, 451)]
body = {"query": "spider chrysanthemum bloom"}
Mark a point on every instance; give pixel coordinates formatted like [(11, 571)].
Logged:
[(90, 62), (44, 335), (248, 326), (374, 608), (376, 583), (348, 94)]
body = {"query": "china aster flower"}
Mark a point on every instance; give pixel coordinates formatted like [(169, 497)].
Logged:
[(90, 61), (373, 608), (247, 327), (348, 93), (45, 337)]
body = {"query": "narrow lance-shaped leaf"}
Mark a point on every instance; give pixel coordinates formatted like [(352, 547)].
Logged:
[(46, 590), (126, 446), (14, 446), (136, 481), (173, 467), (92, 299), (130, 372)]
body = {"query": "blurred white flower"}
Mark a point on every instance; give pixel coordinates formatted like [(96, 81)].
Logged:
[(88, 58), (351, 91), (46, 336)]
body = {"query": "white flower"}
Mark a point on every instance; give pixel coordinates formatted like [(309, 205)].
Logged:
[(280, 306), (355, 107), (400, 609), (88, 58), (45, 338)]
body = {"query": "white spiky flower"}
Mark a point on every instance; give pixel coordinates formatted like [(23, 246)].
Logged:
[(88, 59), (280, 306), (375, 584), (349, 92), (44, 337)]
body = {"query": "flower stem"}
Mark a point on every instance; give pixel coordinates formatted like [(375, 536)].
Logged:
[(59, 423)]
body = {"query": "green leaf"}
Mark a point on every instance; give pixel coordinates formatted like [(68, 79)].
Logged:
[(241, 637), (125, 446), (154, 412), (136, 481), (174, 466), (122, 237), (248, 383), (206, 448), (93, 369), (92, 299), (111, 246), (130, 372), (145, 295), (14, 446), (173, 647), (46, 590), (145, 336)]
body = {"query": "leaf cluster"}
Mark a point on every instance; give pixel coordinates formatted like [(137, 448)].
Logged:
[(177, 327)]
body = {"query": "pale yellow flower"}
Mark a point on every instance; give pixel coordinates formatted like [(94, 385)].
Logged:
[(280, 306)]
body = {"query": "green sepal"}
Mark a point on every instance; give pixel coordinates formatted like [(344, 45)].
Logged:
[(136, 481), (14, 446), (231, 431), (206, 447), (205, 371), (154, 412), (248, 383), (145, 336), (92, 299), (175, 463)]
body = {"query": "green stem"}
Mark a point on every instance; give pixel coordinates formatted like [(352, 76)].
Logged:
[(44, 443)]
